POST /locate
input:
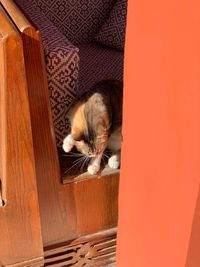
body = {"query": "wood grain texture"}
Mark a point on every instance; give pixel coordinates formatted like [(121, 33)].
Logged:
[(20, 238), (37, 262), (17, 16), (46, 157)]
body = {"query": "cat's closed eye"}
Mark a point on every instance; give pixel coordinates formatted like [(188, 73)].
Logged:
[(82, 138), (78, 137)]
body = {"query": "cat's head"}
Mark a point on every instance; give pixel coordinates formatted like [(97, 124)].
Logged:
[(91, 128), (92, 142)]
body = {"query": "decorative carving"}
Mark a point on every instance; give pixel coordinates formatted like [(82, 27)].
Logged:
[(96, 252)]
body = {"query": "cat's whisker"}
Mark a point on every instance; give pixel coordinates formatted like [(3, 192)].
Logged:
[(81, 168), (78, 162), (103, 159), (75, 156), (79, 159), (88, 161), (74, 153), (84, 162), (105, 155)]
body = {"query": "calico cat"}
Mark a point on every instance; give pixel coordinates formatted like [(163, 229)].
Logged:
[(96, 121)]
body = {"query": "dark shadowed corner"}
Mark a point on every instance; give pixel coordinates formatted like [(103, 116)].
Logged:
[(193, 255)]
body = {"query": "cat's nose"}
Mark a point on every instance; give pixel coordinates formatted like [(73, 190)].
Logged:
[(92, 155)]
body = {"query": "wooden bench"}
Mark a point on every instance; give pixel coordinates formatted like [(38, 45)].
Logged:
[(69, 221)]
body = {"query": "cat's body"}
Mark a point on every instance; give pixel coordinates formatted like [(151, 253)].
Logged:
[(96, 124)]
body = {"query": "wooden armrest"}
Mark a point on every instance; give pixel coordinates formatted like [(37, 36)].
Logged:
[(20, 238), (45, 150), (44, 143), (17, 16)]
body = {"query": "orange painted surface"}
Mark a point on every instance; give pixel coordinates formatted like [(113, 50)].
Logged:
[(159, 222)]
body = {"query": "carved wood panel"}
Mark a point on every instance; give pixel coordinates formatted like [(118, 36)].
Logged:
[(98, 251)]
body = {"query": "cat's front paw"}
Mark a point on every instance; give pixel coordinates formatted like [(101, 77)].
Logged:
[(93, 169), (113, 162), (68, 143)]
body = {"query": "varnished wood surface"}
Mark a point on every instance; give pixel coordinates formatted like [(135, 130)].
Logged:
[(20, 232), (21, 21), (47, 166), (94, 202)]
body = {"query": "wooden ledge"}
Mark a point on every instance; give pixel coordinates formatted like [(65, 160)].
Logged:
[(17, 15), (106, 172), (77, 174)]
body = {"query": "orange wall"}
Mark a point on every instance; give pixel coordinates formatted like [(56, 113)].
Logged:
[(158, 223)]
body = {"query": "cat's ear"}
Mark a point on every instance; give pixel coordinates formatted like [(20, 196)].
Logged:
[(77, 134)]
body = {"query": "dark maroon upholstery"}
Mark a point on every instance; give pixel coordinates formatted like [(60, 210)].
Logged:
[(98, 62), (71, 70), (62, 65), (112, 32), (78, 20)]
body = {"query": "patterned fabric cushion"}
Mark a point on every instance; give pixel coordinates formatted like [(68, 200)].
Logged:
[(78, 20), (62, 65), (98, 62), (67, 77), (112, 33)]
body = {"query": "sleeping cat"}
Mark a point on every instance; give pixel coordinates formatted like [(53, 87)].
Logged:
[(96, 121)]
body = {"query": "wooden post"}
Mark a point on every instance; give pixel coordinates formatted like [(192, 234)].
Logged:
[(20, 230)]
